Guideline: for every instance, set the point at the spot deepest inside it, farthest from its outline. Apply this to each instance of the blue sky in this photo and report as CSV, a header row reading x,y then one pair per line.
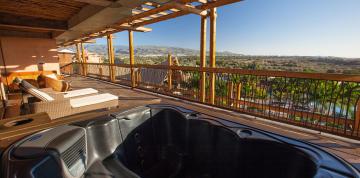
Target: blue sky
x,y
268,27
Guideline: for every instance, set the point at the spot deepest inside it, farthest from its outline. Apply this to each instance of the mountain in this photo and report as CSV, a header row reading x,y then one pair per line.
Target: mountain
x,y
150,50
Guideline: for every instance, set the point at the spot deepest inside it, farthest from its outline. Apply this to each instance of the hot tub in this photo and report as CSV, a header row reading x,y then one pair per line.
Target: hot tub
x,y
167,141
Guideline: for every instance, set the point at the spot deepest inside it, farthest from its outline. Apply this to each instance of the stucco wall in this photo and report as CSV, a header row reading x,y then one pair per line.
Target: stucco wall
x,y
65,58
28,54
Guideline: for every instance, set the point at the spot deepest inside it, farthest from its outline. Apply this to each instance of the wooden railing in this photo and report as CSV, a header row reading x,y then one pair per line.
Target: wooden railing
x,y
324,102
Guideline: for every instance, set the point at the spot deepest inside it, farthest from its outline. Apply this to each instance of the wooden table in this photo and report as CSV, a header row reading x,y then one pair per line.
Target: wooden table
x,y
14,128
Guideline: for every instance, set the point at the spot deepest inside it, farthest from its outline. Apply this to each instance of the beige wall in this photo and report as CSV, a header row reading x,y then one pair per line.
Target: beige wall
x,y
65,58
93,58
26,54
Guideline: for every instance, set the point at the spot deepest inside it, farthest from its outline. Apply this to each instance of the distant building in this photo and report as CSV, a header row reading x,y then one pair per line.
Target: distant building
x,y
93,57
65,56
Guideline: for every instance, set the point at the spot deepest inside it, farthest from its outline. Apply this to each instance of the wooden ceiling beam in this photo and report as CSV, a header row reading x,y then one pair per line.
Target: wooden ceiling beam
x,y
32,23
25,34
97,2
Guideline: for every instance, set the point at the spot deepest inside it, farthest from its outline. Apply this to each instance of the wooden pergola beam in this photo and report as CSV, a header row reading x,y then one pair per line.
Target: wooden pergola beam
x,y
159,9
188,8
202,1
118,29
190,1
136,29
152,4
182,13
136,22
89,41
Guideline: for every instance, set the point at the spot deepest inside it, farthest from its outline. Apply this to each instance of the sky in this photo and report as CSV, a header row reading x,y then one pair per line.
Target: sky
x,y
267,27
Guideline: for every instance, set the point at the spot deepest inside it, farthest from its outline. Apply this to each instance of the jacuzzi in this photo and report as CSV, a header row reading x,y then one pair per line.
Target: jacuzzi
x,y
160,141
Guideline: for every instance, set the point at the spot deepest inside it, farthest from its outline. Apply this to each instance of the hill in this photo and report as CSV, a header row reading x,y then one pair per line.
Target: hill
x,y
150,50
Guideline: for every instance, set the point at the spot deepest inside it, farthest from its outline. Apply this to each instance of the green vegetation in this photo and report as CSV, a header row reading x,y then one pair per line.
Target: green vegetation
x,y
277,63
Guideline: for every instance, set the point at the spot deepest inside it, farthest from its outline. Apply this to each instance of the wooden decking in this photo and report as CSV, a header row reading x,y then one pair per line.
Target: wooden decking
x,y
129,98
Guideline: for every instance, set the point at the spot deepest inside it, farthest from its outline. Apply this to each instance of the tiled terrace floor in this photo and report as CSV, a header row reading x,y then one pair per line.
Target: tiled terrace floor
x,y
346,149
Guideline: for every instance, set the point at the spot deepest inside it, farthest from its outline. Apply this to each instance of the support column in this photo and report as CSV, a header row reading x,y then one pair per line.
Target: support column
x,y
111,57
169,72
83,59
132,58
78,55
213,16
203,59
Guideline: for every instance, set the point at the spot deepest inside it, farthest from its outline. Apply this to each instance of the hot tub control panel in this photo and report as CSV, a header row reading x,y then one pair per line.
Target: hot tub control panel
x,y
61,149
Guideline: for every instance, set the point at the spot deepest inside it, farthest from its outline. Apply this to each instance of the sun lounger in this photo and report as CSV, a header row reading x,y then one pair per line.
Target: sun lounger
x,y
57,106
67,94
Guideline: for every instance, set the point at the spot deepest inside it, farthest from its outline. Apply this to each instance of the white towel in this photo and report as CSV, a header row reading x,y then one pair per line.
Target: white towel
x,y
93,99
80,92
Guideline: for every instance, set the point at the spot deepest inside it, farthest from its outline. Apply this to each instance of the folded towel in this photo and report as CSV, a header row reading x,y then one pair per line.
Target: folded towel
x,y
93,99
80,92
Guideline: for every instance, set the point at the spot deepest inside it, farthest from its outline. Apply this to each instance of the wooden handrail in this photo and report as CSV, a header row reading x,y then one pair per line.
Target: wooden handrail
x,y
302,75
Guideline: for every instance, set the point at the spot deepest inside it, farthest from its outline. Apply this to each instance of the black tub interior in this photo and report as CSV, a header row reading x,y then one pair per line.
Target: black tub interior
x,y
168,145
161,142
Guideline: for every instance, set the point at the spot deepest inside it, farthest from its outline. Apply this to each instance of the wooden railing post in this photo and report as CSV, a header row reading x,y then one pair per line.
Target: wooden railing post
x,y
230,92
357,119
169,72
238,95
213,16
138,80
111,57
203,59
131,57
101,72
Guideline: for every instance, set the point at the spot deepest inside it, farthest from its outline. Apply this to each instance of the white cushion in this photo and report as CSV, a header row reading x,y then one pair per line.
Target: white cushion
x,y
41,95
80,92
35,92
93,99
53,76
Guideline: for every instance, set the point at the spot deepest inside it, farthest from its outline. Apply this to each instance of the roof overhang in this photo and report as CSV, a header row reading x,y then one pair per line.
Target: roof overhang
x,y
74,21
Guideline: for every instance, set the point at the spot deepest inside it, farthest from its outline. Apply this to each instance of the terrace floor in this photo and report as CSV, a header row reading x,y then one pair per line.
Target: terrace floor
x,y
344,148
